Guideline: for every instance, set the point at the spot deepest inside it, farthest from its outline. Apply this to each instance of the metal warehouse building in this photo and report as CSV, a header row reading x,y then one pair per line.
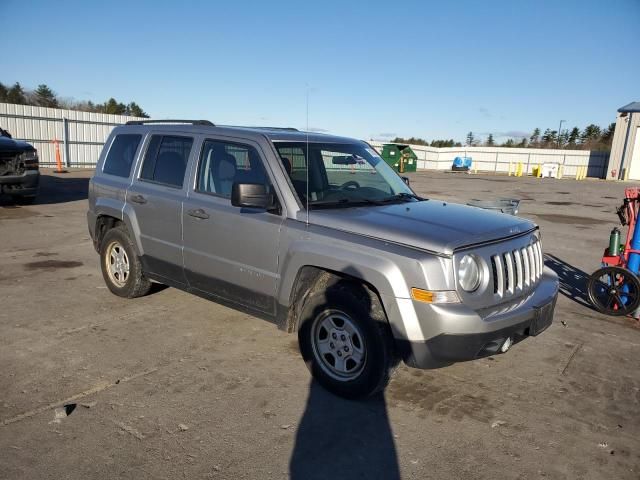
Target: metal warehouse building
x,y
624,162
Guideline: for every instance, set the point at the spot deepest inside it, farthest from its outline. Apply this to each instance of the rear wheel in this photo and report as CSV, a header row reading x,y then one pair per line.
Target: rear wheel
x,y
614,291
121,267
345,340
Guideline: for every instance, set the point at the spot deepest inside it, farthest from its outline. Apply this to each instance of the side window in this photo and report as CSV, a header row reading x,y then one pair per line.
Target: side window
x,y
223,163
121,154
166,160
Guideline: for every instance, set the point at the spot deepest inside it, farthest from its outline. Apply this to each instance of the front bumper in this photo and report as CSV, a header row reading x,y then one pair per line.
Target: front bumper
x,y
24,184
445,334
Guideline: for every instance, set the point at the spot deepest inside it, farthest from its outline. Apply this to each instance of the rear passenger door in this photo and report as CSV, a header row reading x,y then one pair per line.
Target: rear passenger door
x,y
156,197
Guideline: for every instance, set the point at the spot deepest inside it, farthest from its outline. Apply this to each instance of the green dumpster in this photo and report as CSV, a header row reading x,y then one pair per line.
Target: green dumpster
x,y
400,157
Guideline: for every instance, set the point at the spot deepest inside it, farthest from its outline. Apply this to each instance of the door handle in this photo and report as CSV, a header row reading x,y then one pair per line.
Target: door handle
x,y
138,199
198,213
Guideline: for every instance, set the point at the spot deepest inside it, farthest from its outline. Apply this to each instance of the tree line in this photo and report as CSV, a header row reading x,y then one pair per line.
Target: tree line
x,y
592,137
43,96
434,143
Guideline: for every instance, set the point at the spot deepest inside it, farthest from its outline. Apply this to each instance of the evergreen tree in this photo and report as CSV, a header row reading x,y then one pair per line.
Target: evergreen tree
x,y
523,143
16,95
574,136
470,139
45,97
113,107
549,137
508,143
607,134
134,110
590,133
535,137
3,93
490,142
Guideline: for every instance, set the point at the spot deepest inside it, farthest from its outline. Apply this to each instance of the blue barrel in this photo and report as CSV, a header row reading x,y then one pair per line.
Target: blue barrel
x,y
633,263
634,259
461,163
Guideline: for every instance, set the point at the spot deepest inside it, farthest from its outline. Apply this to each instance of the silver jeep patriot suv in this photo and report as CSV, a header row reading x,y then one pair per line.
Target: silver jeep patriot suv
x,y
318,234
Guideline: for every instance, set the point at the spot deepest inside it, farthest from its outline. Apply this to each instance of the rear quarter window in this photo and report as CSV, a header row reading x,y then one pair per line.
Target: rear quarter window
x,y
121,155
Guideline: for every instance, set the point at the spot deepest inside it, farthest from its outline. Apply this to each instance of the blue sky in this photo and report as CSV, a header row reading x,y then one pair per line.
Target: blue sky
x,y
431,69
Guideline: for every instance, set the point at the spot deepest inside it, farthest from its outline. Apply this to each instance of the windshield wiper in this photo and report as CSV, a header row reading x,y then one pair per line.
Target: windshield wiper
x,y
344,202
404,196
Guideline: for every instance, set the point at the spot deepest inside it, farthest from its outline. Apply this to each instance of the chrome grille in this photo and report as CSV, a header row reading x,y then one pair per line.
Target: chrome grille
x,y
516,271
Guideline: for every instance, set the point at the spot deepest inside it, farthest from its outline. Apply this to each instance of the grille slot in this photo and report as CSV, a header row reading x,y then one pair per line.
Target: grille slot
x,y
516,271
519,272
496,260
508,262
494,275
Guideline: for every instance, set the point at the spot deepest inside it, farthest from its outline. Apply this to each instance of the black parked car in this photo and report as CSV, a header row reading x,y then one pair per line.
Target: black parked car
x,y
19,174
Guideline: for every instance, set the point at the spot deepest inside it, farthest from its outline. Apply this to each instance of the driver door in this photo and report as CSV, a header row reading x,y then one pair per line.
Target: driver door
x,y
230,252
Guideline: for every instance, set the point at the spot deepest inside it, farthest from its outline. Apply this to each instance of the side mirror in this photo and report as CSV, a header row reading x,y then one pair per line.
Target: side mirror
x,y
251,195
405,180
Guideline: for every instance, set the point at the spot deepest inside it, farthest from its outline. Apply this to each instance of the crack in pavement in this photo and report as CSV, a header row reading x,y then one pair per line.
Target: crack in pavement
x,y
575,351
96,389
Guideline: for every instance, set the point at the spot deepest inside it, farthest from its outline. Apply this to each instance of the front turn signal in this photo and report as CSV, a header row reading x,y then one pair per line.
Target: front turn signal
x,y
438,296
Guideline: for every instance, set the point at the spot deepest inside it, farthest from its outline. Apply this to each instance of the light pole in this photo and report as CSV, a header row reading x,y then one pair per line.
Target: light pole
x,y
560,131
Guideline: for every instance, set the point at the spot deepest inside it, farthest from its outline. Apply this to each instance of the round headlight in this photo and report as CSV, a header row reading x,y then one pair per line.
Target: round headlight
x,y
469,273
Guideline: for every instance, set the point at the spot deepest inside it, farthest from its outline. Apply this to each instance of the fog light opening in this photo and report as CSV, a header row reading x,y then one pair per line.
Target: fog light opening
x,y
506,345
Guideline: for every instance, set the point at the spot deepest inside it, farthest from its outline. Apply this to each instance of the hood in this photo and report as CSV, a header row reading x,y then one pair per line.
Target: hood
x,y
10,145
432,225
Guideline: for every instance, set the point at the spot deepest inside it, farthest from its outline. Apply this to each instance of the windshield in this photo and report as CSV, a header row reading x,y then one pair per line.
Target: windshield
x,y
341,174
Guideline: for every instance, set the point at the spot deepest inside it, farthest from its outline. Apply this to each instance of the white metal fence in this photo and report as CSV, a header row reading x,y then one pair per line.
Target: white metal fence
x,y
81,134
497,159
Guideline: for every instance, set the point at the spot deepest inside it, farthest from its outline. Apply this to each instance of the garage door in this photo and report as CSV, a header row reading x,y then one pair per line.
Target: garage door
x,y
634,167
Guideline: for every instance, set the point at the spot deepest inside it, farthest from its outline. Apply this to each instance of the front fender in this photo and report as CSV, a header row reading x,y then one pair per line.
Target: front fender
x,y
380,272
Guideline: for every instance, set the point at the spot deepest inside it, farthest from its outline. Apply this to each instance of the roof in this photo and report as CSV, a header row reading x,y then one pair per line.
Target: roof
x,y
299,136
630,108
274,134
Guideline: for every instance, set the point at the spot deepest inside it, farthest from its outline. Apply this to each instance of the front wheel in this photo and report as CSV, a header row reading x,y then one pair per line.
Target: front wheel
x,y
345,340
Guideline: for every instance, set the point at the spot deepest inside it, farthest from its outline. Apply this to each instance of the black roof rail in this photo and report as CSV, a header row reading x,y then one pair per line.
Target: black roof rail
x,y
286,129
192,122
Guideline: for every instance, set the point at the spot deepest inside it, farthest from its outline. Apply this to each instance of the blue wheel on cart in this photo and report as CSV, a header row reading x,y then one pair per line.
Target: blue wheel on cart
x,y
614,291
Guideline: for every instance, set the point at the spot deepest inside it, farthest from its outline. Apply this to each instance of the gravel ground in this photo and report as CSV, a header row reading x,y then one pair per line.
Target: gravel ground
x,y
174,386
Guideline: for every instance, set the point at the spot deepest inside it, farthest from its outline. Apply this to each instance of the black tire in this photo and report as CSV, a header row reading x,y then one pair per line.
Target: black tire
x,y
363,310
132,285
606,294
